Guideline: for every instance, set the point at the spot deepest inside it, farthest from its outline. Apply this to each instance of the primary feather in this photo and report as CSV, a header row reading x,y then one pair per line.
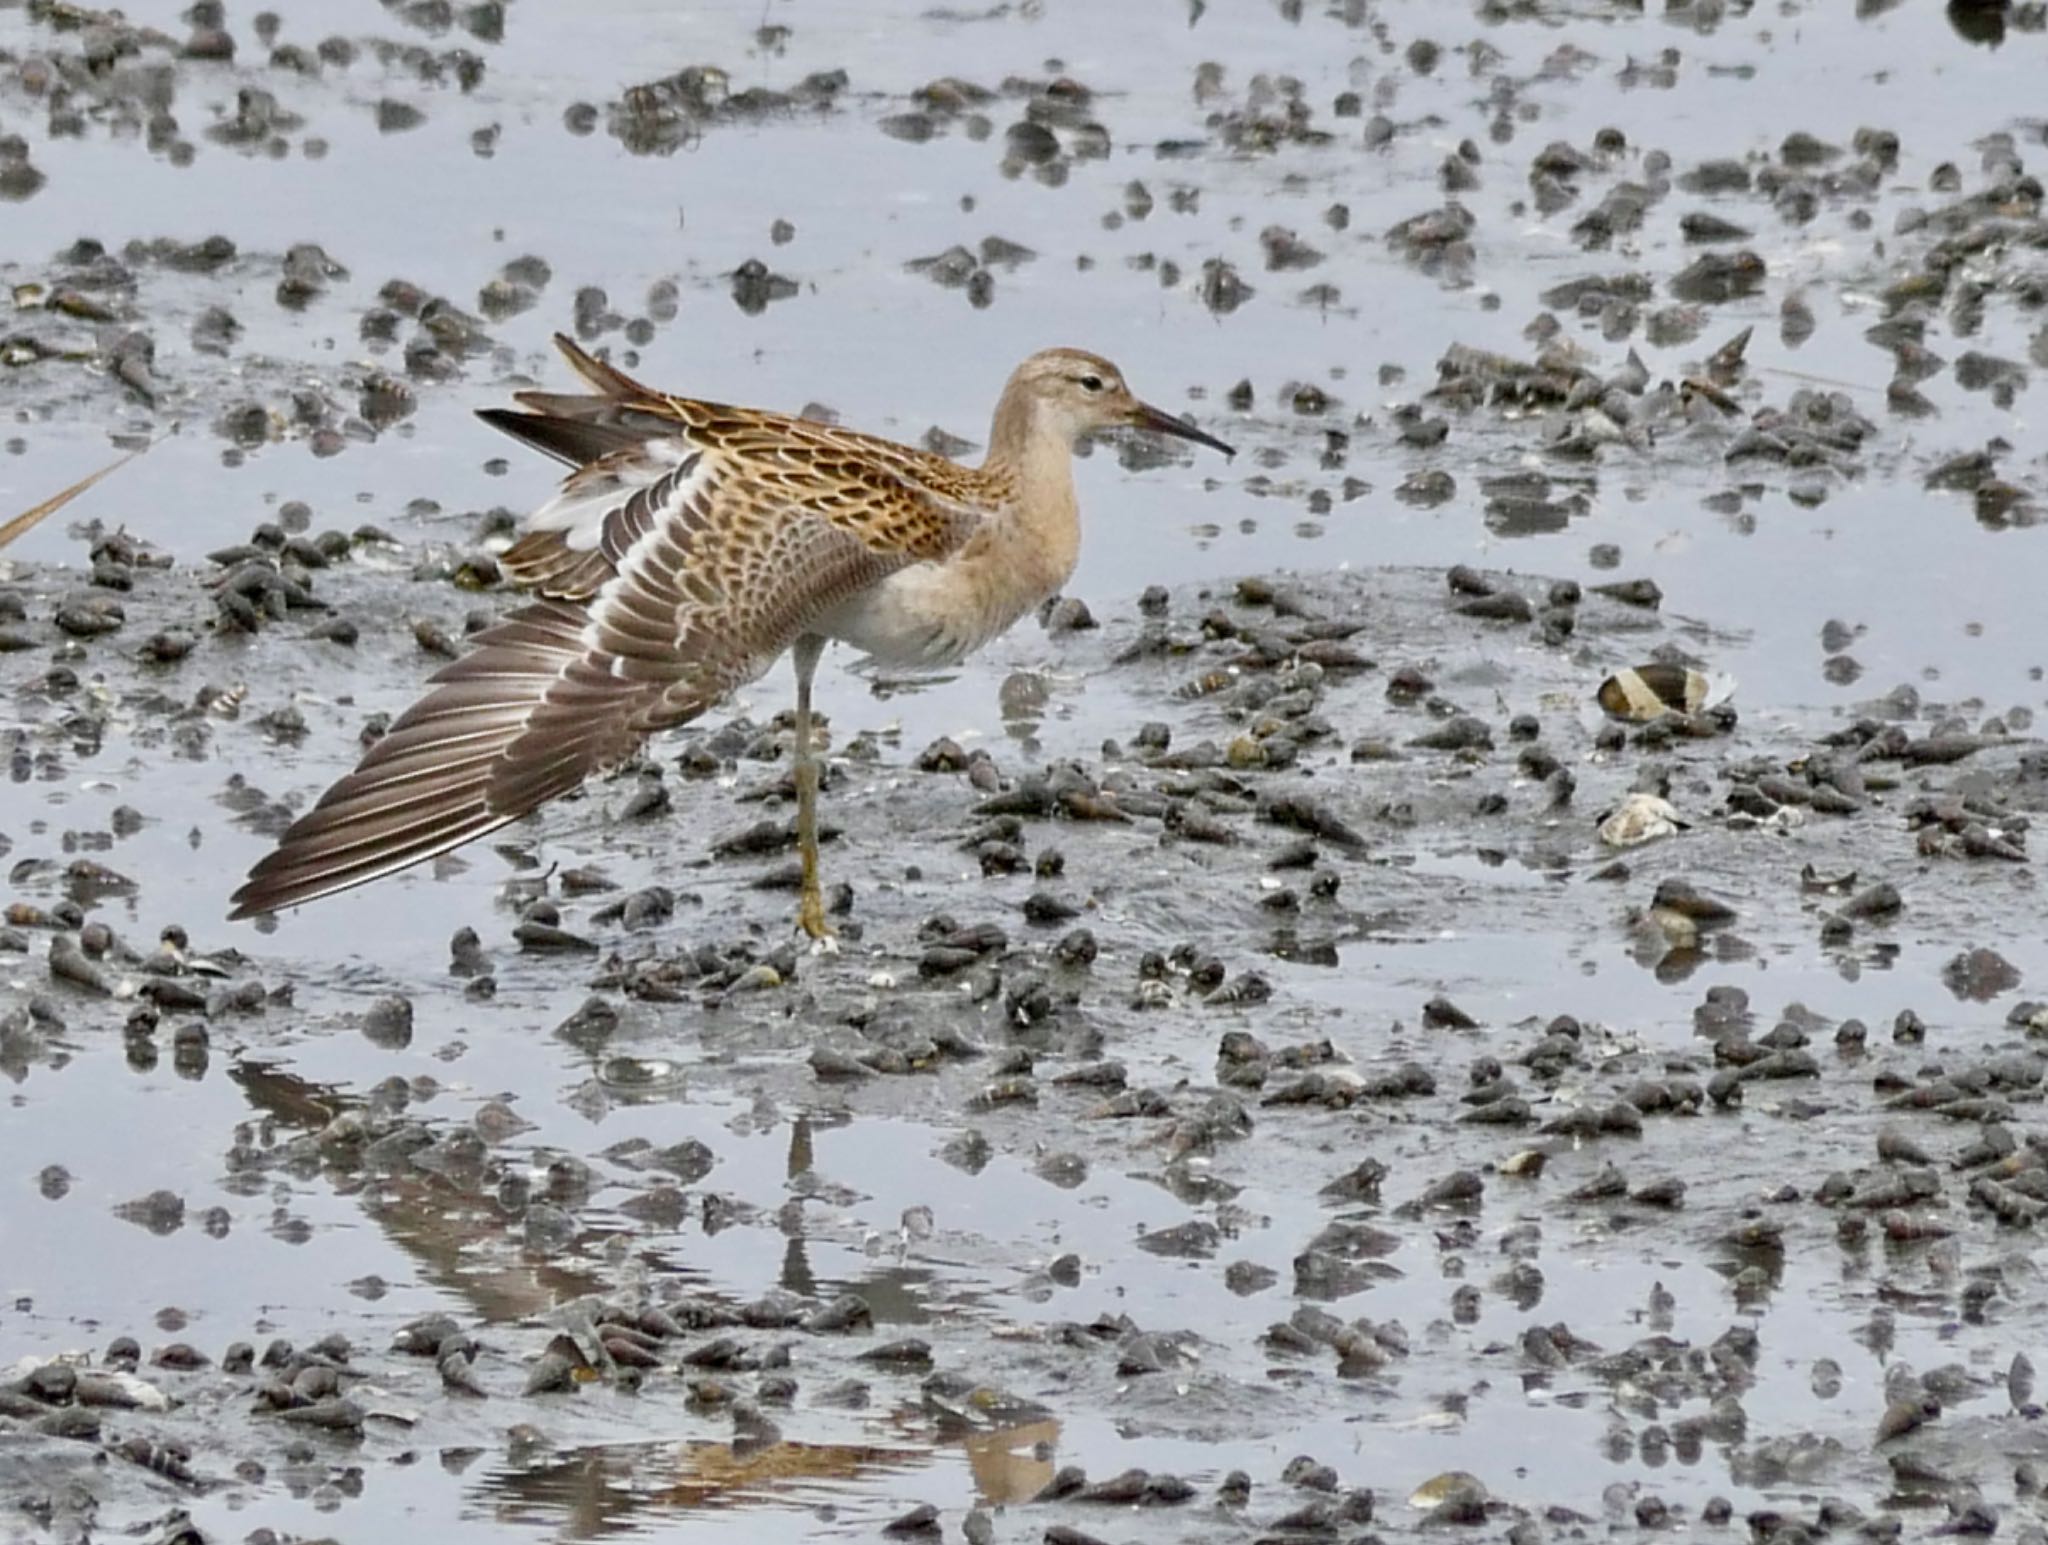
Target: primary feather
x,y
689,548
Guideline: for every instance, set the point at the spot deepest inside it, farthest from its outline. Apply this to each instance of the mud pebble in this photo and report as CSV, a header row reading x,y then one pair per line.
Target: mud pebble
x,y
552,1373
396,117
1460,733
336,1413
388,1022
1907,1415
1286,251
921,1521
1069,614
1223,291
422,1337
1031,143
161,1212
1452,1487
1979,975
1439,1013
1874,901
1681,896
89,616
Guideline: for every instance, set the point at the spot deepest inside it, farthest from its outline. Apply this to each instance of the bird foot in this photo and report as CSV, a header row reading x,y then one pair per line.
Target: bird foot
x,y
810,917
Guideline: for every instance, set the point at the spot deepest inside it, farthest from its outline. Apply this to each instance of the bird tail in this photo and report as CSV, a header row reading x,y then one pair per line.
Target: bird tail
x,y
580,428
609,380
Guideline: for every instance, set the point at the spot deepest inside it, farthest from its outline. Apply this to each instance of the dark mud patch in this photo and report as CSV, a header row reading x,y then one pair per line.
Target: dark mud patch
x,y
1208,1078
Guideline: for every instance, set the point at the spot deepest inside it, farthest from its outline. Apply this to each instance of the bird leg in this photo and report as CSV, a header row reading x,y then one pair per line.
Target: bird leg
x,y
810,914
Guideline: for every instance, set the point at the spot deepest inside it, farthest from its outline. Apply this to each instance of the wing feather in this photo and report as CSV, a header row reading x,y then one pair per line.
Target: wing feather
x,y
670,571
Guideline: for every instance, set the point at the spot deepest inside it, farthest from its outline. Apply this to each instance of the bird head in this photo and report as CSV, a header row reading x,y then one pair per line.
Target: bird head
x,y
1078,393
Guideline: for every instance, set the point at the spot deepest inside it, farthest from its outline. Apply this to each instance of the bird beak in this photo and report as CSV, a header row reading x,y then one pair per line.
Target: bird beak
x,y
1145,416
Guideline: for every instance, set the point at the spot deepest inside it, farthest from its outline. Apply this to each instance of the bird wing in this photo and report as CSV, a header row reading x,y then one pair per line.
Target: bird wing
x,y
671,571
626,437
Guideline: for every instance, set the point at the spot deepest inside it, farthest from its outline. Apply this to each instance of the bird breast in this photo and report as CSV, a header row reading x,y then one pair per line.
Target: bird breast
x,y
937,613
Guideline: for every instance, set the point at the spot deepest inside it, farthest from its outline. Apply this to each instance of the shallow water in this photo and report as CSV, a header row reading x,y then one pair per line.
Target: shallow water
x,y
421,206
1948,604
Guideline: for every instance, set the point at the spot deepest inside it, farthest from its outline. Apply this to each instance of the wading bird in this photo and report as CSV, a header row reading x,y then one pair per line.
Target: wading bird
x,y
692,545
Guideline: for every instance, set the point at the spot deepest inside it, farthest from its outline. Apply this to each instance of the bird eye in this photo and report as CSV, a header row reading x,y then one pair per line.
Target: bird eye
x,y
1091,383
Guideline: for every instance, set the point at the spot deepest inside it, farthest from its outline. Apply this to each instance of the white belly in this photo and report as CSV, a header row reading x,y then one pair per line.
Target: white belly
x,y
930,614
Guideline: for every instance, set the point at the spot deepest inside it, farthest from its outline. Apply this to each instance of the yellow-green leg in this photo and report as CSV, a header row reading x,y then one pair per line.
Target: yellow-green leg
x,y
810,913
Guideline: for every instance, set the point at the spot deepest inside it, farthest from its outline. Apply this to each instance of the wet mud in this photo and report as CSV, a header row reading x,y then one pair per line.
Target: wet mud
x,y
1481,972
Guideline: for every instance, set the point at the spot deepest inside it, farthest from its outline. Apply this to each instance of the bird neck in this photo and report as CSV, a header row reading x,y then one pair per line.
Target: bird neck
x,y
1021,433
1036,459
